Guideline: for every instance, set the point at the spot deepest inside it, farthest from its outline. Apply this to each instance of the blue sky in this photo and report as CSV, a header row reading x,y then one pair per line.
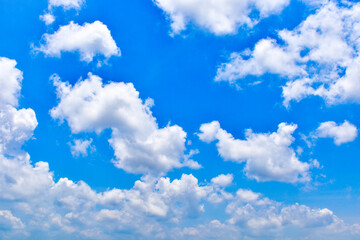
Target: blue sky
x,y
131,119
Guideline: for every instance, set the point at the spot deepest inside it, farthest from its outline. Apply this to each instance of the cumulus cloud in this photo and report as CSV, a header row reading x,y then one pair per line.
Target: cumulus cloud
x,y
266,57
16,126
320,57
89,40
81,147
341,133
268,156
140,145
66,208
219,16
10,81
253,216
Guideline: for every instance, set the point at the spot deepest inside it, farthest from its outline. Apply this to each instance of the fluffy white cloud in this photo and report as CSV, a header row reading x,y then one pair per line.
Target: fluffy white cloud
x,y
140,145
319,57
8,221
341,133
223,180
65,208
208,131
259,214
218,16
253,216
266,57
268,157
89,40
10,81
66,4
48,18
16,126
17,177
81,147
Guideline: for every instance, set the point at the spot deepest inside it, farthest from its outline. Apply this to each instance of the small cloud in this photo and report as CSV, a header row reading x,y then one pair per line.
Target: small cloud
x,y
48,18
81,147
341,133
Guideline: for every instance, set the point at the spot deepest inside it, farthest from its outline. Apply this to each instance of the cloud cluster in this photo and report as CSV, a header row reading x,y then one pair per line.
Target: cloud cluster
x,y
218,16
34,204
268,156
140,145
320,57
38,203
253,216
89,40
260,217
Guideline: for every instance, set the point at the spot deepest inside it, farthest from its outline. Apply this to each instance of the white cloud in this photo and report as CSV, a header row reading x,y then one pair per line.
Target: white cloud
x,y
342,133
266,57
320,57
81,147
253,216
258,214
218,16
209,131
244,195
223,180
10,80
65,208
66,4
16,126
140,145
48,18
89,40
9,222
268,157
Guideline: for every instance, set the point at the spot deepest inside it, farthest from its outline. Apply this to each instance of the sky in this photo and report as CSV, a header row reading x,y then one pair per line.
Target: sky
x,y
179,119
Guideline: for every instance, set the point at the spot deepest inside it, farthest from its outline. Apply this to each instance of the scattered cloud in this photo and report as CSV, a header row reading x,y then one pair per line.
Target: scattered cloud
x,y
154,207
310,66
48,17
268,156
34,203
